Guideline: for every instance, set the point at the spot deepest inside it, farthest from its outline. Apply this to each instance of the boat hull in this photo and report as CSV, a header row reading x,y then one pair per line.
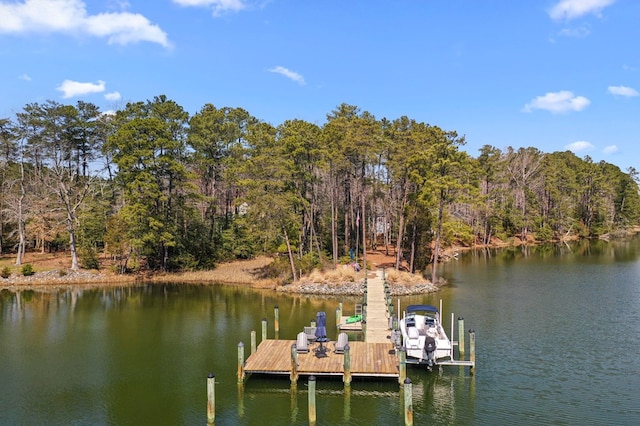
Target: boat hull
x,y
424,338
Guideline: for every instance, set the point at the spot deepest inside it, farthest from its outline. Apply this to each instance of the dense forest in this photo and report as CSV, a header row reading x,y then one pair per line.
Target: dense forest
x,y
156,188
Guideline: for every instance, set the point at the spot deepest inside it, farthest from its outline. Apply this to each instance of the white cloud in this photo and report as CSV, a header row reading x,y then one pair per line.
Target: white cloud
x,y
611,149
627,92
289,74
570,9
579,32
70,16
578,146
217,6
72,89
558,102
113,96
25,77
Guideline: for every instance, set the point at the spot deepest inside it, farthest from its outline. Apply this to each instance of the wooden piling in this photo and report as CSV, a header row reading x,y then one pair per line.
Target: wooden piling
x,y
347,366
402,365
472,348
347,405
312,400
211,398
408,402
240,362
461,337
338,317
294,364
240,400
294,403
276,320
253,342
264,329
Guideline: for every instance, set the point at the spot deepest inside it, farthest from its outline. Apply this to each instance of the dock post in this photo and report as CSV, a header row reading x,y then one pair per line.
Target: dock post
x,y
264,329
294,364
347,404
461,337
294,403
211,398
253,342
276,320
338,317
408,402
347,366
240,362
402,367
240,400
313,322
472,348
312,400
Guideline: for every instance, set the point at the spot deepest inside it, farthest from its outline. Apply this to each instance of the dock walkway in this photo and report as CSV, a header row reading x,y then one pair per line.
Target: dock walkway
x,y
377,326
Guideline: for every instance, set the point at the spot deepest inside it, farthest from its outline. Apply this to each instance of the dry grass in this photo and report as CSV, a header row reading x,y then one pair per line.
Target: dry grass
x,y
395,277
340,275
246,272
237,272
41,262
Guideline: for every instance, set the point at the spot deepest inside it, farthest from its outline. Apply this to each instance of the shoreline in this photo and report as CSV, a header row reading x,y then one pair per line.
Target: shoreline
x,y
51,281
237,273
244,273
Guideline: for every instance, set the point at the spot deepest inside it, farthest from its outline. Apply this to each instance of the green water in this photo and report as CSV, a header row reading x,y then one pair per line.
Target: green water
x,y
557,329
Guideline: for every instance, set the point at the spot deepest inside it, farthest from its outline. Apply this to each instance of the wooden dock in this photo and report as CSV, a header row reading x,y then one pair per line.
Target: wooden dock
x,y
377,325
367,360
375,357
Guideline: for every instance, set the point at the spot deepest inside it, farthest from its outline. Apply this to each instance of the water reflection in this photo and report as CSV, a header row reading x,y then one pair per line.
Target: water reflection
x,y
604,251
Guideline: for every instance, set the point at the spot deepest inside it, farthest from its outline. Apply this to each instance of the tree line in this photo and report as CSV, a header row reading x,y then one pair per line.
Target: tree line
x,y
157,188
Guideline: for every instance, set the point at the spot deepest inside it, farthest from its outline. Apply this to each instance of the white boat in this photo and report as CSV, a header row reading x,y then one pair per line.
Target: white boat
x,y
423,336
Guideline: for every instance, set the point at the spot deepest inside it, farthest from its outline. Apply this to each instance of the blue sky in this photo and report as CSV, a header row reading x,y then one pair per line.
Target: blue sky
x,y
552,74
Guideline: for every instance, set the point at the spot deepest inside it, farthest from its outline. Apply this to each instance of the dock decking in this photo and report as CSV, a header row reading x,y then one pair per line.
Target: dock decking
x,y
367,360
377,326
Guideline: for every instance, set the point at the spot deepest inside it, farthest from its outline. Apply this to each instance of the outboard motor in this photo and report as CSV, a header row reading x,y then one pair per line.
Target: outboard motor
x,y
430,350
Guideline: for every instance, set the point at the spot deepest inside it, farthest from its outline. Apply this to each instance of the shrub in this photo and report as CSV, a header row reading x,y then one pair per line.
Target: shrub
x,y
27,269
6,272
89,258
544,234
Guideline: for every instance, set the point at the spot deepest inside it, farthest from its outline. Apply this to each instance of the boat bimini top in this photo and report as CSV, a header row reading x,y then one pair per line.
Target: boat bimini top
x,y
421,308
